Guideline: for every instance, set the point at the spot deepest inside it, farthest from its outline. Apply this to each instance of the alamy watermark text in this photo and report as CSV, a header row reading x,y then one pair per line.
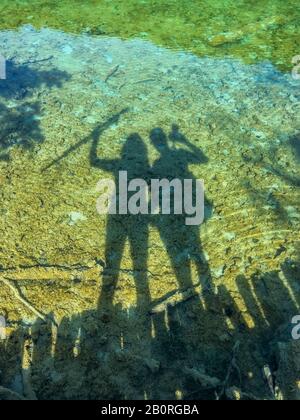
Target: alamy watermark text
x,y
296,328
155,197
2,68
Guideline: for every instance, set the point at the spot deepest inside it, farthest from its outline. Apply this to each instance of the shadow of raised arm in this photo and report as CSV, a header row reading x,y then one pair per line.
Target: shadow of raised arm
x,y
194,155
96,161
95,136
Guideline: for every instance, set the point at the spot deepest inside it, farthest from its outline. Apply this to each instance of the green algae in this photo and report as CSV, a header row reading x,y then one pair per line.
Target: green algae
x,y
250,30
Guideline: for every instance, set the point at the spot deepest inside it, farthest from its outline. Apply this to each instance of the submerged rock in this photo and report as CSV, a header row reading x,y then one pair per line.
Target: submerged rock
x,y
251,29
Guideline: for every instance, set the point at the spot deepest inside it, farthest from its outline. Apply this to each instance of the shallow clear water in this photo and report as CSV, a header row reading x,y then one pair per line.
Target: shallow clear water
x,y
250,30
142,306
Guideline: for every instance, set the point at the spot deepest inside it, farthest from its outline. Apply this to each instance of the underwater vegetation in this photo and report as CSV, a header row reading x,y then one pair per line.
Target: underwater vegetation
x,y
250,30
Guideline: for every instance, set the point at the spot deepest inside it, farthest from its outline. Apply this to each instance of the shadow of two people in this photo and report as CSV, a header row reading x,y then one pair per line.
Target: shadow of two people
x,y
182,243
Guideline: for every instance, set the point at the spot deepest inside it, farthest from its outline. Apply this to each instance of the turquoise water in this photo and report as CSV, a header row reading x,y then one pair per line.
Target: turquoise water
x,y
145,306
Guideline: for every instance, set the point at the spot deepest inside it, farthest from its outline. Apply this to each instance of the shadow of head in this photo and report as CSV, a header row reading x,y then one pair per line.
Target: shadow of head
x,y
161,141
134,147
295,145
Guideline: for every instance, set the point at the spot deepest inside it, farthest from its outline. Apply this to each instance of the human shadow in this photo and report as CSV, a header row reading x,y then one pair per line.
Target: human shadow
x,y
21,107
182,242
123,227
